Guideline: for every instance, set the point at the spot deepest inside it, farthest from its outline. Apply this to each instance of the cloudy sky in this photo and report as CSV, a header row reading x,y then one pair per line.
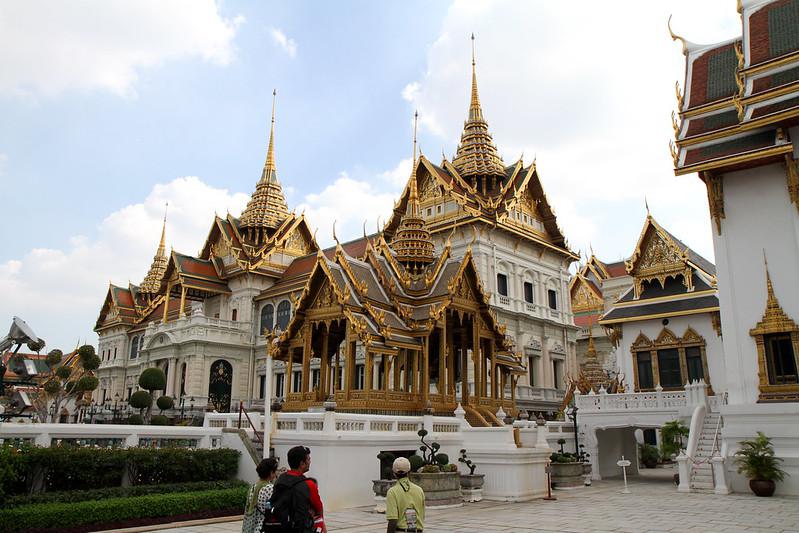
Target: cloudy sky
x,y
111,108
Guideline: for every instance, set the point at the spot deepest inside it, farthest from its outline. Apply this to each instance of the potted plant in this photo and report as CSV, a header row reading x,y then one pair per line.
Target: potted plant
x,y
671,438
471,483
756,461
649,455
439,479
566,469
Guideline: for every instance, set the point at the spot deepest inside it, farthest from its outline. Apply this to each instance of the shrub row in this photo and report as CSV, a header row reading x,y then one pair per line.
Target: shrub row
x,y
72,496
34,469
66,515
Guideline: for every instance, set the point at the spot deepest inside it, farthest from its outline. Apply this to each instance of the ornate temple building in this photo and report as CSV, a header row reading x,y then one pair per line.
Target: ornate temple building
x,y
461,298
666,326
739,121
593,290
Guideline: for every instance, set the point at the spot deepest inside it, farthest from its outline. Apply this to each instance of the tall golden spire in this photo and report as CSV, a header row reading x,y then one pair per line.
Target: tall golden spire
x,y
591,368
476,154
152,281
412,243
267,208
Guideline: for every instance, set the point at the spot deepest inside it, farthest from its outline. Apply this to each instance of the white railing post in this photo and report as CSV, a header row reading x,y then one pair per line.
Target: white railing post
x,y
460,415
683,467
720,475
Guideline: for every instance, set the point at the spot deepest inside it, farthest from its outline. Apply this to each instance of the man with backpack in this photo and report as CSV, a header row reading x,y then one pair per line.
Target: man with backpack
x,y
295,505
404,501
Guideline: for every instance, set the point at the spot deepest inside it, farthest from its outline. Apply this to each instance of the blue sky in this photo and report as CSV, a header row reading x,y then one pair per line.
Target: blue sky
x,y
110,109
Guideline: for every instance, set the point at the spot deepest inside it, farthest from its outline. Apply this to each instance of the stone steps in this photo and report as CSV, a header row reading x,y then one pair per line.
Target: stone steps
x,y
702,473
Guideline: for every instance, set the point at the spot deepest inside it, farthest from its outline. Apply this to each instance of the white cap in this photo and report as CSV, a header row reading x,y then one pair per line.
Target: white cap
x,y
401,465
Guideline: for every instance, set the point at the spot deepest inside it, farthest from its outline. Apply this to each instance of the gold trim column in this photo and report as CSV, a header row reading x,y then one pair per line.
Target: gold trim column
x,y
289,385
306,359
442,364
182,312
324,376
464,369
425,381
476,357
166,302
367,373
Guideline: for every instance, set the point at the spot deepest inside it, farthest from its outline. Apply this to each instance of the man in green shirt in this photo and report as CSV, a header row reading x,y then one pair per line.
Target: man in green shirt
x,y
404,501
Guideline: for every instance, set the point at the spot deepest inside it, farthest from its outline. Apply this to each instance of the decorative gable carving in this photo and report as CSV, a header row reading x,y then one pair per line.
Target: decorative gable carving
x,y
657,257
585,299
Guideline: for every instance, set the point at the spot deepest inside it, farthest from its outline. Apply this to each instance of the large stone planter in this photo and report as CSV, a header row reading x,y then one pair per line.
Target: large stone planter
x,y
441,490
567,475
472,487
380,488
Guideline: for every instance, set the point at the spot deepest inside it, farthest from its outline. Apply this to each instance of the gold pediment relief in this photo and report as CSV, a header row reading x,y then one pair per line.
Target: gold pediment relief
x,y
642,341
584,299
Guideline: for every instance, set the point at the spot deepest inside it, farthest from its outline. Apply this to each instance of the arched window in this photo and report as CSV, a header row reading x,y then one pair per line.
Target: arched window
x,y
234,315
141,343
283,314
134,347
267,318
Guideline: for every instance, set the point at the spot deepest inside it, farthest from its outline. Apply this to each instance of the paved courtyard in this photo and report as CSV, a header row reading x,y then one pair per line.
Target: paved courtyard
x,y
653,506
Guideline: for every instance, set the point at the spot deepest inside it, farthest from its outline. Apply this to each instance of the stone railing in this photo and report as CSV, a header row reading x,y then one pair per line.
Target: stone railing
x,y
112,435
349,423
526,392
641,401
200,326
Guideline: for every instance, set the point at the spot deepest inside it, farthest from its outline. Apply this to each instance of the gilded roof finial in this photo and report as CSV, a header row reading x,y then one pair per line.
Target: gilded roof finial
x,y
152,281
267,208
269,165
646,204
162,245
476,154
334,232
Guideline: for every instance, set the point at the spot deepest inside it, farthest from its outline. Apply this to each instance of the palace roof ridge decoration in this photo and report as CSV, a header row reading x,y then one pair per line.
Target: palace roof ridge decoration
x,y
267,208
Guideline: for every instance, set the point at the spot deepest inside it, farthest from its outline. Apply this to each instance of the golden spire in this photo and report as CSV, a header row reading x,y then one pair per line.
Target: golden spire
x,y
591,368
476,154
269,166
152,281
267,208
412,243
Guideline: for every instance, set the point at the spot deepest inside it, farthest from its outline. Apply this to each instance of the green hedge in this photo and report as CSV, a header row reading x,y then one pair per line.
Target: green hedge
x,y
71,496
65,515
31,469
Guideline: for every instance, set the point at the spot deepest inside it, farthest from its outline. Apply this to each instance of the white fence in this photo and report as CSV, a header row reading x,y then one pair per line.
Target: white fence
x,y
111,435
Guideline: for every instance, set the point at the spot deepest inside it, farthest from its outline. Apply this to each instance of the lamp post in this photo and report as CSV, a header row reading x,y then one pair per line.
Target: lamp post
x,y
182,406
572,414
92,412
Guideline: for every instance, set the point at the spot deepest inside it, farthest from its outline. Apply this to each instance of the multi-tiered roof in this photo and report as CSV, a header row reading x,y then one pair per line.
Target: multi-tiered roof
x,y
741,96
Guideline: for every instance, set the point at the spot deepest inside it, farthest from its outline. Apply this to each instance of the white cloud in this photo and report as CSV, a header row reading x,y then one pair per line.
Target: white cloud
x,y
410,91
59,291
287,44
349,203
397,177
53,47
590,93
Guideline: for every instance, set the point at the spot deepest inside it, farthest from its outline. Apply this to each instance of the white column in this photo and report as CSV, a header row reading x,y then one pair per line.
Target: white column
x,y
268,403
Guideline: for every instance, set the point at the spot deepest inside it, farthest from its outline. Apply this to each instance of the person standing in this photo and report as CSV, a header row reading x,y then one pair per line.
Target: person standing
x,y
404,501
296,498
259,494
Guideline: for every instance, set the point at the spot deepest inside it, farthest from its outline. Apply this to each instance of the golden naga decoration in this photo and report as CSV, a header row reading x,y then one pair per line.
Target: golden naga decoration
x,y
739,75
715,197
675,156
674,125
736,101
679,95
792,173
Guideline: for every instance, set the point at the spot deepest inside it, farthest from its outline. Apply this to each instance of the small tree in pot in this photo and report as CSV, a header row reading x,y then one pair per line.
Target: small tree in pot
x,y
439,479
756,461
471,483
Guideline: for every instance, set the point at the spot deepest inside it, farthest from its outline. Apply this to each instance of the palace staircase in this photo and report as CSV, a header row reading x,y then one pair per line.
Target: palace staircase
x,y
481,417
707,446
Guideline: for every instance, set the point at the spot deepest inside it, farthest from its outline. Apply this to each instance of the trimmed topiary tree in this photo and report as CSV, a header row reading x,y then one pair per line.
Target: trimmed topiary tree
x,y
152,379
69,378
135,420
141,400
165,402
159,420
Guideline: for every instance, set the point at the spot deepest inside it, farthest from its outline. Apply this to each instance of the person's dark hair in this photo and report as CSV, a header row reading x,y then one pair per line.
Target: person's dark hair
x,y
266,467
297,455
400,475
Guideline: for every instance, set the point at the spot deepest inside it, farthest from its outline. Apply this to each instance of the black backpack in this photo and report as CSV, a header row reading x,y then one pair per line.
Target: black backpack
x,y
288,510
